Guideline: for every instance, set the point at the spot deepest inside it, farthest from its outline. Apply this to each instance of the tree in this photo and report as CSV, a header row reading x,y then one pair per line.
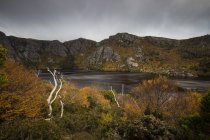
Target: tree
x,y
50,98
155,93
161,96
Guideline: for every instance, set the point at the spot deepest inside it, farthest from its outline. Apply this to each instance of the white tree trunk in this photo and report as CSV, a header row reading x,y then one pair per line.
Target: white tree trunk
x,y
62,106
56,94
118,105
52,92
49,99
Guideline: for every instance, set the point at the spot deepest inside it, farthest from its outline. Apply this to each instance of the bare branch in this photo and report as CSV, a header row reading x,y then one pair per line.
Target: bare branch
x,y
61,84
62,106
115,97
52,92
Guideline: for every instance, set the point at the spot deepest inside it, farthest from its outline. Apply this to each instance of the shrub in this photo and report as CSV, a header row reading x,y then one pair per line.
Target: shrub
x,y
3,77
197,126
30,130
147,127
205,108
130,107
23,94
163,98
108,95
90,97
155,93
82,136
3,55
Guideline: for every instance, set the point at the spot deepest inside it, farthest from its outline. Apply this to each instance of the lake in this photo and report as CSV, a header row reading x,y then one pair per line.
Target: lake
x,y
124,80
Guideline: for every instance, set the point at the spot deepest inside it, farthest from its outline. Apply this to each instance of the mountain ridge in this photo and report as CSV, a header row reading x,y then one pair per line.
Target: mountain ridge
x,y
119,52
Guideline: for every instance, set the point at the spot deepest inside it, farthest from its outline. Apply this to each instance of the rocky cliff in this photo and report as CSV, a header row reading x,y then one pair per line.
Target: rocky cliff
x,y
120,52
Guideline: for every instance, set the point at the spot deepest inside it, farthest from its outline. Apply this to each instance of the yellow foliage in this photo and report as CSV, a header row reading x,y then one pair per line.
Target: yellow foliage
x,y
131,110
186,104
193,102
156,92
106,118
80,97
23,94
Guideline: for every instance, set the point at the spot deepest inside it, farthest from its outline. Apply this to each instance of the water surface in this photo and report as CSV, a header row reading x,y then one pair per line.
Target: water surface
x,y
124,80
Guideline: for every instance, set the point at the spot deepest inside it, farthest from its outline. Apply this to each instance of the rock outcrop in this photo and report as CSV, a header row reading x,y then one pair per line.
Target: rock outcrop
x,y
131,62
41,53
103,54
79,46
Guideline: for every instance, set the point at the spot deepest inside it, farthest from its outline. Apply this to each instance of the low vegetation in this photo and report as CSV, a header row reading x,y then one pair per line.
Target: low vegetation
x,y
155,109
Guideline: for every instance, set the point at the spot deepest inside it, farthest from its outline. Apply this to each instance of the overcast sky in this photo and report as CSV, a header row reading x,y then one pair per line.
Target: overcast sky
x,y
98,19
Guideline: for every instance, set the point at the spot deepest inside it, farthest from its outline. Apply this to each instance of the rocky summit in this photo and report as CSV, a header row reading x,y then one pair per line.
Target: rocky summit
x,y
120,52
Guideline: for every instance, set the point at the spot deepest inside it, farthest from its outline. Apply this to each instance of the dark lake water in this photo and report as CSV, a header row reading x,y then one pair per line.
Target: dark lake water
x,y
124,80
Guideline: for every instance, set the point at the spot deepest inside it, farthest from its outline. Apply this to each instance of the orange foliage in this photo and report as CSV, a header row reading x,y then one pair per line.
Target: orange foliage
x,y
81,97
156,93
23,94
163,95
130,106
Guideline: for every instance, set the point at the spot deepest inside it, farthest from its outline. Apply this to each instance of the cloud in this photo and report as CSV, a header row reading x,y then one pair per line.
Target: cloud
x,y
97,19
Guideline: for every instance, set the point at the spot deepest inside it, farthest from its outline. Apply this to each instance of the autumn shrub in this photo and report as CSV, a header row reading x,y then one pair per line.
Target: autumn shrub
x,y
89,97
87,110
130,106
162,97
155,93
23,96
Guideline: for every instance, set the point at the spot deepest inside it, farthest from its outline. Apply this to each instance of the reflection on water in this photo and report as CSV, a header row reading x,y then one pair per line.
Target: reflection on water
x,y
117,80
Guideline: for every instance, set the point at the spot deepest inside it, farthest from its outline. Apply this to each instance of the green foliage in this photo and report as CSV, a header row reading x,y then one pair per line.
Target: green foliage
x,y
108,95
30,130
3,55
68,62
82,136
92,102
3,80
147,127
205,108
198,126
154,112
204,67
190,122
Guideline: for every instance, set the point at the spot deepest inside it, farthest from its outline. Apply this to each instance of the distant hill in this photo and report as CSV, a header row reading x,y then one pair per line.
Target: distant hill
x,y
120,52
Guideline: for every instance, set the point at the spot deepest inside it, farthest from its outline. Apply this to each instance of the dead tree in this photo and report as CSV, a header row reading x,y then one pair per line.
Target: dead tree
x,y
50,98
62,106
118,105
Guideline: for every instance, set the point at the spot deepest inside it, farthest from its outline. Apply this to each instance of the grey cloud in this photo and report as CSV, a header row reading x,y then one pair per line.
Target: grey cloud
x,y
97,19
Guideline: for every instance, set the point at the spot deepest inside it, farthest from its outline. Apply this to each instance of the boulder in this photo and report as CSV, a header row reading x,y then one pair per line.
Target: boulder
x,y
131,62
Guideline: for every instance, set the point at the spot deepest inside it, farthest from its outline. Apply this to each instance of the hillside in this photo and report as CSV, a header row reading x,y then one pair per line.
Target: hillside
x,y
120,52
